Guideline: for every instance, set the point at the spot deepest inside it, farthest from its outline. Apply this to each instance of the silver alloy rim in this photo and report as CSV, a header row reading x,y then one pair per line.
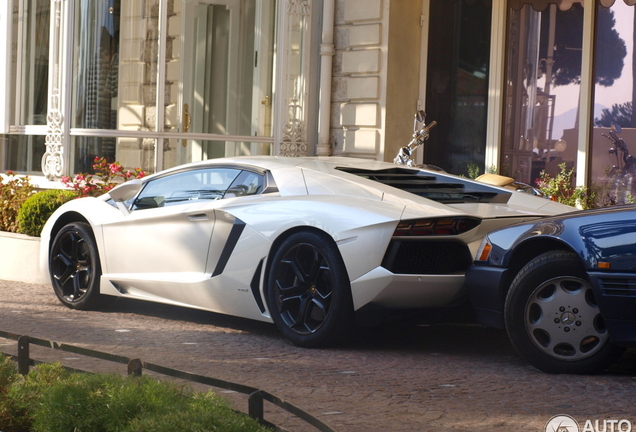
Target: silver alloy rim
x,y
563,320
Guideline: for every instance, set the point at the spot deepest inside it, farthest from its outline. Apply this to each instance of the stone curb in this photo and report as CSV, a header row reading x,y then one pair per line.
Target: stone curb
x,y
21,258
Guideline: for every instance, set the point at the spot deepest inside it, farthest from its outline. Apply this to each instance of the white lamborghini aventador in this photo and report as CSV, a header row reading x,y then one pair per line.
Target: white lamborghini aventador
x,y
307,243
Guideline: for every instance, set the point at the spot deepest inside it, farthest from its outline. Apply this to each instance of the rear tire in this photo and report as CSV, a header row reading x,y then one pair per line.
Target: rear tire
x,y
308,291
75,269
553,320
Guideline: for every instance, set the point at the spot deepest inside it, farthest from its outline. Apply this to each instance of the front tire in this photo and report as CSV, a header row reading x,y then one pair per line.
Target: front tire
x,y
75,269
308,291
553,320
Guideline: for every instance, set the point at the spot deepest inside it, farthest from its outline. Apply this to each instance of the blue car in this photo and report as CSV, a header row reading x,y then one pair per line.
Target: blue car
x,y
564,288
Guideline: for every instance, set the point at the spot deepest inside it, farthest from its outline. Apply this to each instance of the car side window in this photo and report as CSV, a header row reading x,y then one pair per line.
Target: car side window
x,y
247,183
185,187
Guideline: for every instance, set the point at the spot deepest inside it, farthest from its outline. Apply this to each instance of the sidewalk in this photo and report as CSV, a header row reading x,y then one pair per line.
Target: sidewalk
x,y
396,378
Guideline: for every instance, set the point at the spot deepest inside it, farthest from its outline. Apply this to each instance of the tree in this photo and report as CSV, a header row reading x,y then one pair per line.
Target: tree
x,y
610,48
621,114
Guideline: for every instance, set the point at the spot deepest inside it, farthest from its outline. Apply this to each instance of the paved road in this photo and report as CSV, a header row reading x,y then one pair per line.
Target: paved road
x,y
451,377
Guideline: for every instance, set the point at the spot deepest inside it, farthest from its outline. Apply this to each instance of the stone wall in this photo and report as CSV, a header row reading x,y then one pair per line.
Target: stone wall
x,y
359,77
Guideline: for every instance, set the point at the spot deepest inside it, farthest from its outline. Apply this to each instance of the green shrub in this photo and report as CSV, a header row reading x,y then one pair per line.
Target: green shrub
x,y
49,399
561,189
11,417
14,191
24,394
37,208
8,374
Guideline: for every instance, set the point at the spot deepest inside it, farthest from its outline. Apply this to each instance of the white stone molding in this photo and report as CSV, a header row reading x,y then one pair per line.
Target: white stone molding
x,y
295,40
293,142
298,7
53,158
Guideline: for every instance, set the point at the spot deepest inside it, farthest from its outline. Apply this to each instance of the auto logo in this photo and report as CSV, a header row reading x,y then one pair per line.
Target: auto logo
x,y
562,423
568,318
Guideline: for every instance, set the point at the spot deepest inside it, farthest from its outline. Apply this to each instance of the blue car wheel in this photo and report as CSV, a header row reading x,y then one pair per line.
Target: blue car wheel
x,y
553,320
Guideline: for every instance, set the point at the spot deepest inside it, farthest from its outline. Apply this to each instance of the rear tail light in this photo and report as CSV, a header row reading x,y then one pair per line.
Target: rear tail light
x,y
436,227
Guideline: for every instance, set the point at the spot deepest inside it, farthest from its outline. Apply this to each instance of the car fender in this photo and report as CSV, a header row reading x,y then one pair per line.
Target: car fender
x,y
354,224
508,242
91,209
578,235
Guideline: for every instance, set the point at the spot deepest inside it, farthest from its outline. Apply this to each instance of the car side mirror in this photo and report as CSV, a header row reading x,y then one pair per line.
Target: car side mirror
x,y
126,191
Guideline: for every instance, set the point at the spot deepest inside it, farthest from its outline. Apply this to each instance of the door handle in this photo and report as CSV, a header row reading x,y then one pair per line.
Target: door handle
x,y
267,121
186,121
198,217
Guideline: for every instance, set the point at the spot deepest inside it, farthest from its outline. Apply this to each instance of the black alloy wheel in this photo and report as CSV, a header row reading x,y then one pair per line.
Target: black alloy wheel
x,y
75,268
308,291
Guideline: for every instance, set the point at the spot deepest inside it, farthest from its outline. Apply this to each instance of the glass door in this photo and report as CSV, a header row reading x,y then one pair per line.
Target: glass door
x,y
226,77
542,92
23,151
457,83
264,33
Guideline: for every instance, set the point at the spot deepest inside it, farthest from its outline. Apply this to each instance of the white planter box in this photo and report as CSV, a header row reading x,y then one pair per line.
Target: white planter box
x,y
20,258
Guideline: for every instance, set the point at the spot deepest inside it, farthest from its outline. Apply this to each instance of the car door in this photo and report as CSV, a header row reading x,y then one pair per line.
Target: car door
x,y
167,234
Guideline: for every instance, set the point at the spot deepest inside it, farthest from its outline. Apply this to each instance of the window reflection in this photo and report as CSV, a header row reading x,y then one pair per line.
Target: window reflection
x,y
28,90
457,83
543,75
96,70
613,101
34,62
221,74
29,85
22,153
115,86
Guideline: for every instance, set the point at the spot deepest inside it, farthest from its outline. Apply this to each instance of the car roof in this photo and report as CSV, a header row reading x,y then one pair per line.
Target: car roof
x,y
377,180
280,162
380,181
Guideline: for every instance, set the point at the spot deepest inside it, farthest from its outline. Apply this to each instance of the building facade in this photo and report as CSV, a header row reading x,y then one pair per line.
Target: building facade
x,y
516,86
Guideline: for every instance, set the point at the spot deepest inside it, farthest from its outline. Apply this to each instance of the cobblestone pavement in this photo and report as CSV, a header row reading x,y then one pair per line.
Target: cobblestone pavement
x,y
451,377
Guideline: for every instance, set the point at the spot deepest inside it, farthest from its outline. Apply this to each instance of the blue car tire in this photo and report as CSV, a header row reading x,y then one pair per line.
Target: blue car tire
x,y
553,320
